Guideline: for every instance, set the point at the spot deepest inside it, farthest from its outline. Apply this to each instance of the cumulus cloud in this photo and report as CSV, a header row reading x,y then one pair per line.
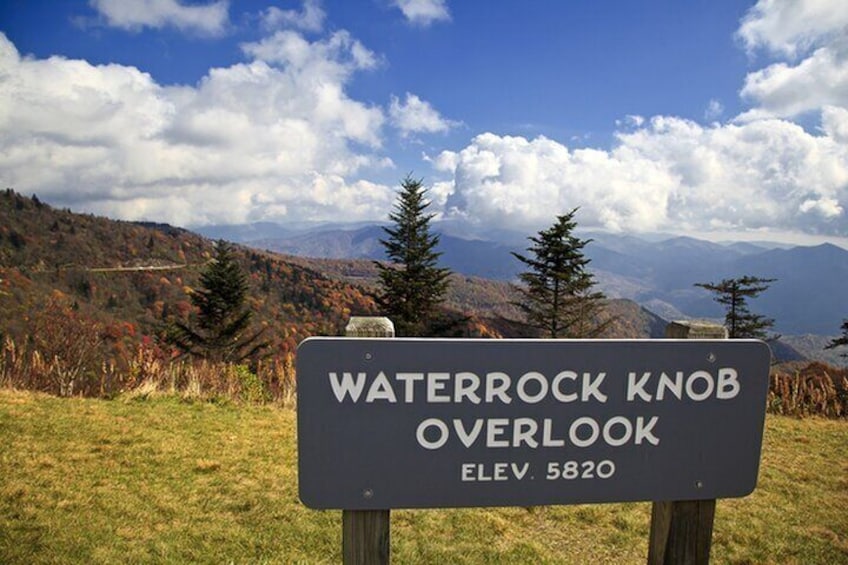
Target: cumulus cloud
x,y
414,115
813,37
311,18
785,90
759,172
792,27
272,138
423,12
210,18
278,137
336,57
672,174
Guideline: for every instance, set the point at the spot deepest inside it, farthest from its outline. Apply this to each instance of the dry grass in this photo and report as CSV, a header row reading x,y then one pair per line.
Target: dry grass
x,y
813,390
148,371
162,479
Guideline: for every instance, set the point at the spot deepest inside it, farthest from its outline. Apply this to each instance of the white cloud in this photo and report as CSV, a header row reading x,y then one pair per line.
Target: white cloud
x,y
826,207
672,174
759,172
211,18
276,137
423,12
714,110
813,37
337,57
835,124
311,18
792,27
414,115
785,90
630,121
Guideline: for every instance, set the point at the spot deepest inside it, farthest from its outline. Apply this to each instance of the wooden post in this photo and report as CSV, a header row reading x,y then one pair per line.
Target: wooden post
x,y
365,533
681,530
365,537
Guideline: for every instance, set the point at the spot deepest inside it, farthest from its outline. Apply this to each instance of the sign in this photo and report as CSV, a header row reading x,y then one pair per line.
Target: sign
x,y
420,423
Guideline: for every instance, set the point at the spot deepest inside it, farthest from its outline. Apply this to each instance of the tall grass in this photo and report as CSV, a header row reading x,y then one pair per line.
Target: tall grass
x,y
815,389
147,371
809,393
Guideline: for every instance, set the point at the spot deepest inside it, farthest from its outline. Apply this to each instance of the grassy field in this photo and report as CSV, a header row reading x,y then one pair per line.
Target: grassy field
x,y
166,481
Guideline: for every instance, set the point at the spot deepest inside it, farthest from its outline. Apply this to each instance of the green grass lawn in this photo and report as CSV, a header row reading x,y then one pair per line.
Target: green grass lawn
x,y
165,481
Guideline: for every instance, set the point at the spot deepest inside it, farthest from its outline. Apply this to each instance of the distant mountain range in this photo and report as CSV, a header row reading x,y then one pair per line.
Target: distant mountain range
x,y
134,279
809,295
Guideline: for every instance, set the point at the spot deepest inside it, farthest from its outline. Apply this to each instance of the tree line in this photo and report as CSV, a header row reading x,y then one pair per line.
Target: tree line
x,y
556,292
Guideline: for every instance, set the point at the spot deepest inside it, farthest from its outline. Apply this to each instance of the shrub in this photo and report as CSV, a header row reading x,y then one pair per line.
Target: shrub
x,y
147,371
814,390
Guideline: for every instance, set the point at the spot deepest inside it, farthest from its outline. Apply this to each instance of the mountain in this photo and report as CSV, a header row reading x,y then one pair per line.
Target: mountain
x,y
480,258
238,233
490,299
811,346
137,276
132,279
327,243
808,297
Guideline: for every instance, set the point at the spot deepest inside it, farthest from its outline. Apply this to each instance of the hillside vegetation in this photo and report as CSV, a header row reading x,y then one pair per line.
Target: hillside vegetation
x,y
491,300
85,302
133,279
190,462
159,479
807,297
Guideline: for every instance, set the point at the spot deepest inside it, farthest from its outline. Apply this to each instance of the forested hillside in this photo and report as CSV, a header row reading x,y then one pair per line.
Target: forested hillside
x,y
85,304
134,279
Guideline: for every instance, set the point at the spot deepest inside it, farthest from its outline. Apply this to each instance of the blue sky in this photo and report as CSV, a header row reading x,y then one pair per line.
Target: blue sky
x,y
717,119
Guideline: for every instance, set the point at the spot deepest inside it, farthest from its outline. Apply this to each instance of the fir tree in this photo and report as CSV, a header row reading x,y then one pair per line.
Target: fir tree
x,y
412,286
556,295
733,294
841,340
222,321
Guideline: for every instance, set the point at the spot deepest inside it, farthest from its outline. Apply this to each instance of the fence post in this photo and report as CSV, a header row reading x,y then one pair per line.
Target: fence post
x,y
681,530
365,533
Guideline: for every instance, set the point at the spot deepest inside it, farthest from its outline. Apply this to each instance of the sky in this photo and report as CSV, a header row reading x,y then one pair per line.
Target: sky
x,y
723,120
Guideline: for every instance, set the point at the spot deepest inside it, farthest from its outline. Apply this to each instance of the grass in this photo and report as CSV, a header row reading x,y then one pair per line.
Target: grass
x,y
160,480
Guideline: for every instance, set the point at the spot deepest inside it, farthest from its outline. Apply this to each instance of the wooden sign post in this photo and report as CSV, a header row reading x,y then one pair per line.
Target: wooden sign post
x,y
682,530
441,423
365,533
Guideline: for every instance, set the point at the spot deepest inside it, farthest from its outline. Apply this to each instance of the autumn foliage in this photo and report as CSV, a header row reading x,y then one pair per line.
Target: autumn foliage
x,y
85,303
815,389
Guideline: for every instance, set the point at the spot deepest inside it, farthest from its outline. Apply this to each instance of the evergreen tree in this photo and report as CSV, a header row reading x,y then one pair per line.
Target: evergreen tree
x,y
412,286
556,295
733,294
841,340
222,321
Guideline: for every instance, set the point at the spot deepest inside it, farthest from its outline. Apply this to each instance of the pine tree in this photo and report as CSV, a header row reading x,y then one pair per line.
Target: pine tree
x,y
222,321
841,340
412,286
556,295
733,294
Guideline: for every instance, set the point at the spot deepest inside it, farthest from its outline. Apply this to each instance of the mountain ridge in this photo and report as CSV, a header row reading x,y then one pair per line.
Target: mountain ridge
x,y
134,278
806,298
